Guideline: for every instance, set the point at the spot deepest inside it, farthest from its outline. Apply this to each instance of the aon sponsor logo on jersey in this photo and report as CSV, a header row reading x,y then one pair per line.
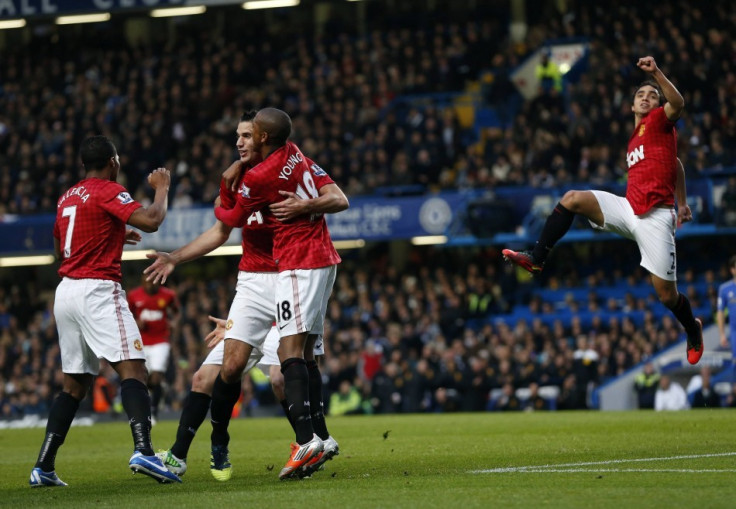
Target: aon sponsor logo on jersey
x,y
255,217
635,156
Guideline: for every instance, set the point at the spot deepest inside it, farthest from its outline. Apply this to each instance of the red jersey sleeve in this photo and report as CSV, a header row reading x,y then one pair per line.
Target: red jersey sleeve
x,y
117,202
320,176
660,120
251,198
57,234
227,197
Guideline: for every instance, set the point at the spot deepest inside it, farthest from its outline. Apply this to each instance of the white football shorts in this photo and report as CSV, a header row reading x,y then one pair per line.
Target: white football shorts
x,y
252,311
264,358
94,322
301,300
157,356
654,232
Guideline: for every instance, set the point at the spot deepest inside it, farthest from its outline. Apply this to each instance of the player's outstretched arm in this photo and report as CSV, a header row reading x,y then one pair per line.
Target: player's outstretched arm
x,y
331,200
675,103
165,263
150,218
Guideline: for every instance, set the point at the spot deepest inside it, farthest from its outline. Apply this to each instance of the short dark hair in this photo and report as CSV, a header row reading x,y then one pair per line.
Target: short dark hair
x,y
96,151
732,262
276,123
248,116
653,84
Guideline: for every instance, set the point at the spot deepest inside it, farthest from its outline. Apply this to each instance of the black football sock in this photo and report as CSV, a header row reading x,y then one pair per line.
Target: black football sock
x,y
224,397
192,417
285,406
557,225
137,405
316,405
156,394
684,314
296,387
61,415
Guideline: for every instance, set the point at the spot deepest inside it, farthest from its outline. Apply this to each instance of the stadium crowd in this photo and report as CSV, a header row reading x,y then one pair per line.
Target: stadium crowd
x,y
399,341
430,339
176,103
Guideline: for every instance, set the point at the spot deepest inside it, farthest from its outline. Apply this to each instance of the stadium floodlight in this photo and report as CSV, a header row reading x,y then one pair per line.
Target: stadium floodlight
x,y
269,4
178,11
12,23
429,240
26,261
83,18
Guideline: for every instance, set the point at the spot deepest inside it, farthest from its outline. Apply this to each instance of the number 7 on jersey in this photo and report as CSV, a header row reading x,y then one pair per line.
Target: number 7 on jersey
x,y
71,213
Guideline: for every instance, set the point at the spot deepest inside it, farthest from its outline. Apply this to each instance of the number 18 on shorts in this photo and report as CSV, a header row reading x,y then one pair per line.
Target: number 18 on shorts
x,y
301,300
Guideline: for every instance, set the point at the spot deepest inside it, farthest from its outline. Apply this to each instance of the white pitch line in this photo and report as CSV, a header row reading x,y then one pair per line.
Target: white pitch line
x,y
566,466
604,470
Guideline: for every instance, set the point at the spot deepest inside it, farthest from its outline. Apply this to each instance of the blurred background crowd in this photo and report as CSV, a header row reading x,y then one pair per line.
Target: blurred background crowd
x,y
439,333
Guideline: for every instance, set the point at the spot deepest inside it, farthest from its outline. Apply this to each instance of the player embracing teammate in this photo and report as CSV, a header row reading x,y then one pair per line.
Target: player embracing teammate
x,y
306,261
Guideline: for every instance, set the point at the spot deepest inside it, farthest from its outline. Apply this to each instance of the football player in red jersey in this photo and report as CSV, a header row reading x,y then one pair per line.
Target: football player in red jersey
x,y
154,308
656,179
307,262
248,330
92,315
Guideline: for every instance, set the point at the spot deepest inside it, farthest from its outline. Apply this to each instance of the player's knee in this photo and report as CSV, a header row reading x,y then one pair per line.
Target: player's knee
x,y
667,296
573,200
277,384
232,369
199,383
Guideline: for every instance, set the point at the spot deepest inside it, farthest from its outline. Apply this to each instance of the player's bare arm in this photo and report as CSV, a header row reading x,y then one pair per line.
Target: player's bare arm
x,y
150,218
675,103
331,200
165,263
684,214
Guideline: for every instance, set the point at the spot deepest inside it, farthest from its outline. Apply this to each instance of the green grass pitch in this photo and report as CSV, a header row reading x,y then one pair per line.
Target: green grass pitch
x,y
578,459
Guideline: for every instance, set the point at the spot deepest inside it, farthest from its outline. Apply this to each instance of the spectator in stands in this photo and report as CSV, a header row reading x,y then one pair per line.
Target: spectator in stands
x,y
346,401
508,400
727,211
704,396
670,396
548,73
646,385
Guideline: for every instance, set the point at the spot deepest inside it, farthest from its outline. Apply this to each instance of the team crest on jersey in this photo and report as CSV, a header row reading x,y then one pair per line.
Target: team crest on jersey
x,y
125,198
244,191
641,129
161,303
137,345
229,325
318,171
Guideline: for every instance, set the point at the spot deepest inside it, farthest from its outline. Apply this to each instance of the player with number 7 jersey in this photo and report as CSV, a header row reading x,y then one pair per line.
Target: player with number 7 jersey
x,y
92,315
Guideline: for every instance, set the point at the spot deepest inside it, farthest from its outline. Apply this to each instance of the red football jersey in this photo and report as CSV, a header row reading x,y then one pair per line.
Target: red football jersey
x,y
257,236
90,226
652,161
152,310
304,242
